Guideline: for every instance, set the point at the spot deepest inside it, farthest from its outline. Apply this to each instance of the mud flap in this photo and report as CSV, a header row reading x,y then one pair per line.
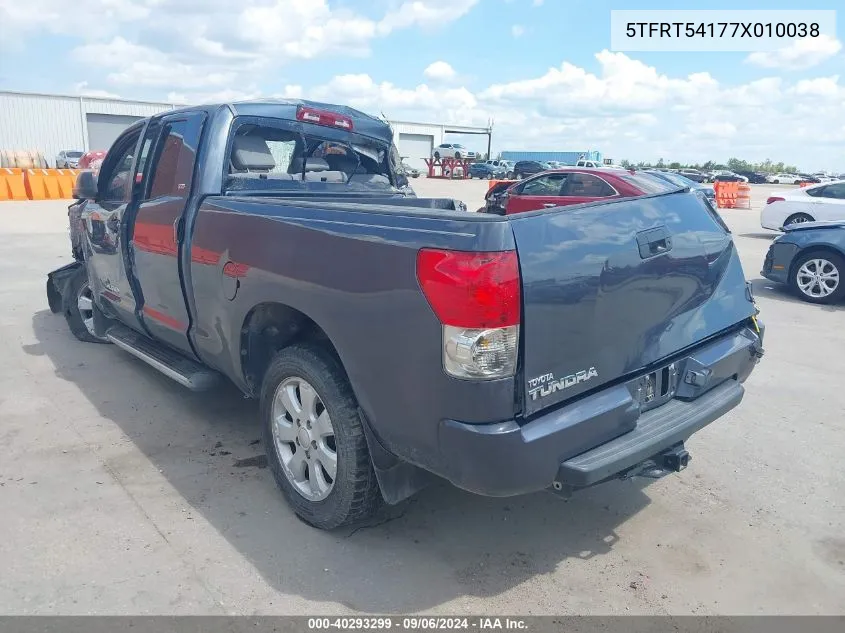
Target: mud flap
x,y
397,479
56,281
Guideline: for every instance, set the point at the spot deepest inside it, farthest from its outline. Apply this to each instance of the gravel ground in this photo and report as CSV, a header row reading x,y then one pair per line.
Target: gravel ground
x,y
122,493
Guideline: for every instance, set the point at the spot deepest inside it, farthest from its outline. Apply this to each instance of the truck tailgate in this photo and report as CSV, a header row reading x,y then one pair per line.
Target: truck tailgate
x,y
612,289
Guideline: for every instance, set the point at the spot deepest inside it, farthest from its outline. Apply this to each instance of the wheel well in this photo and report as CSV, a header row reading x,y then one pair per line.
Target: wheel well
x,y
270,327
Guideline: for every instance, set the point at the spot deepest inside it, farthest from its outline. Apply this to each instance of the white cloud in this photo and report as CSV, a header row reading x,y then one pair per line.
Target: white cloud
x,y
424,13
81,88
440,71
821,86
628,110
517,30
802,53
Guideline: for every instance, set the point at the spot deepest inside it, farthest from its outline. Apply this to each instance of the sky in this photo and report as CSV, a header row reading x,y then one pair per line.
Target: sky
x,y
542,71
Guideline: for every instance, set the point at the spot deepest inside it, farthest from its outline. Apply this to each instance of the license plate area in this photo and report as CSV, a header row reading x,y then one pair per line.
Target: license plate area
x,y
657,387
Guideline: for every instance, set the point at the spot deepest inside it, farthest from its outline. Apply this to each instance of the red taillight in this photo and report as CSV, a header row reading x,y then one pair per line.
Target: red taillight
x,y
471,290
323,117
775,199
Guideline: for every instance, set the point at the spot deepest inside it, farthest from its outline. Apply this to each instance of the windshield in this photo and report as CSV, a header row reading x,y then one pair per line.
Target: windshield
x,y
281,157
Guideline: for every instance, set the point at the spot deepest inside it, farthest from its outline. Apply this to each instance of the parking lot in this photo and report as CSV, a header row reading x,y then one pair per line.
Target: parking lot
x,y
123,493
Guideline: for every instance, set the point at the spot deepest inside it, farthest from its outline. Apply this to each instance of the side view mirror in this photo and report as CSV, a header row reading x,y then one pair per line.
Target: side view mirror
x,y
85,187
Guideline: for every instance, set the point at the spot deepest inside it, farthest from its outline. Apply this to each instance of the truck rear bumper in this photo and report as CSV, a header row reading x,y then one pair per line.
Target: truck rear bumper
x,y
604,435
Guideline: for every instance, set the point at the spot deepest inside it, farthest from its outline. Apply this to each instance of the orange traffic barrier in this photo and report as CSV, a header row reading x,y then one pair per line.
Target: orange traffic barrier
x,y
41,184
493,183
66,178
12,185
743,196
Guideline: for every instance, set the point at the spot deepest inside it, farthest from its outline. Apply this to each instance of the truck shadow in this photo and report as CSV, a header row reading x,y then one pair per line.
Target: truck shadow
x,y
441,545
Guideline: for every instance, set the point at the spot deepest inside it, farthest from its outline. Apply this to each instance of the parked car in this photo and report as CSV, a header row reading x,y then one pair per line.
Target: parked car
x,y
784,179
452,150
727,176
524,168
92,160
483,170
822,202
682,181
810,259
68,159
564,187
552,351
692,174
507,164
753,177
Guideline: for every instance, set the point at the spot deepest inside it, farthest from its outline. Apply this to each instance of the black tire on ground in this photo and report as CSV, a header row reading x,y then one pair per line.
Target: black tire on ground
x,y
835,261
798,218
355,494
76,286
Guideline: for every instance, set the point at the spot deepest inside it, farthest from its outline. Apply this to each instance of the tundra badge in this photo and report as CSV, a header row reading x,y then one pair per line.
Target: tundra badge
x,y
546,384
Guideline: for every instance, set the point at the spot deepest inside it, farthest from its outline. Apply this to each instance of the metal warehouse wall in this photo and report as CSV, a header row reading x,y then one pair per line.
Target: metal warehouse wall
x,y
51,123
570,158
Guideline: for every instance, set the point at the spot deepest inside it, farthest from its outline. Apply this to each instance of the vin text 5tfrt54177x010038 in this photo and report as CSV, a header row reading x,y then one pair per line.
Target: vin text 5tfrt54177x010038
x,y
393,340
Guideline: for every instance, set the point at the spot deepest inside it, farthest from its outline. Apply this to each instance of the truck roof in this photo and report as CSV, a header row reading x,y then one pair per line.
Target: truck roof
x,y
362,123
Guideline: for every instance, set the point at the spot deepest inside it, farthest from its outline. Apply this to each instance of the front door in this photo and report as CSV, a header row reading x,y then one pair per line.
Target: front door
x,y
165,187
105,227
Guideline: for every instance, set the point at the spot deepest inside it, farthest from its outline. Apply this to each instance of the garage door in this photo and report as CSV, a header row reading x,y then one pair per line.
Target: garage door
x,y
103,129
414,148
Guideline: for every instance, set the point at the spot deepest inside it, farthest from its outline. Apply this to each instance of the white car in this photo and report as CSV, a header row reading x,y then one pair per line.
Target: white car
x,y
818,203
452,150
784,179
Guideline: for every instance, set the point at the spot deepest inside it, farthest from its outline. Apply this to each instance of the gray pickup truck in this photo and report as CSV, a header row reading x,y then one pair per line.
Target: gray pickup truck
x,y
391,339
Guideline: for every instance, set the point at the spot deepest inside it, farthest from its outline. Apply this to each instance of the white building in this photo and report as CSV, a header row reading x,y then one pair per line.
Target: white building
x,y
52,123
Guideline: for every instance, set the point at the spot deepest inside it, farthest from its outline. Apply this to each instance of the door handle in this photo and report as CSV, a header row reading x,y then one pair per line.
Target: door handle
x,y
654,242
177,230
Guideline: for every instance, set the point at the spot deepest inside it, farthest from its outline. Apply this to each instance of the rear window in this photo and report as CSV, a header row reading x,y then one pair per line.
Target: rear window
x,y
280,157
647,182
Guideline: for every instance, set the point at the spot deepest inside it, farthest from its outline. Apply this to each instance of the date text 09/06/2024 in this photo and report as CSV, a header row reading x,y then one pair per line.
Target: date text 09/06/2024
x,y
420,623
722,29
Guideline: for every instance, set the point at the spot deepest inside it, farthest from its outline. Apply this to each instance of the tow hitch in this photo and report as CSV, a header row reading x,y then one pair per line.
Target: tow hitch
x,y
672,460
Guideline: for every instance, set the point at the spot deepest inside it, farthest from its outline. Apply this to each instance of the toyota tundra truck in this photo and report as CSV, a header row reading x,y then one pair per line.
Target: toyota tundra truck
x,y
393,340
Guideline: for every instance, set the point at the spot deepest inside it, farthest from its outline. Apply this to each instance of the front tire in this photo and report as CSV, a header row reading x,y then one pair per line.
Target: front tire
x,y
78,307
315,441
817,277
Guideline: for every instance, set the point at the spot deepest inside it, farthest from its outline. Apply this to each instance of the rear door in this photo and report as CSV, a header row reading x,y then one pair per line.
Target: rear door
x,y
612,289
580,188
538,192
830,203
158,229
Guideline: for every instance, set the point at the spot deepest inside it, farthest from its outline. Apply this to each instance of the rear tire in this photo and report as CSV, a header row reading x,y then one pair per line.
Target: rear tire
x,y
354,494
798,218
818,277
78,307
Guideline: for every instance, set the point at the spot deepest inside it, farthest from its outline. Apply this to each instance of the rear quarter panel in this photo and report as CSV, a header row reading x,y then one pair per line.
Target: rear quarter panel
x,y
353,272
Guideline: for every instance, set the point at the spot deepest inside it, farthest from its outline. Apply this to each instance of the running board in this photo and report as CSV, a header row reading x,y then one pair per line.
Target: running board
x,y
174,365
